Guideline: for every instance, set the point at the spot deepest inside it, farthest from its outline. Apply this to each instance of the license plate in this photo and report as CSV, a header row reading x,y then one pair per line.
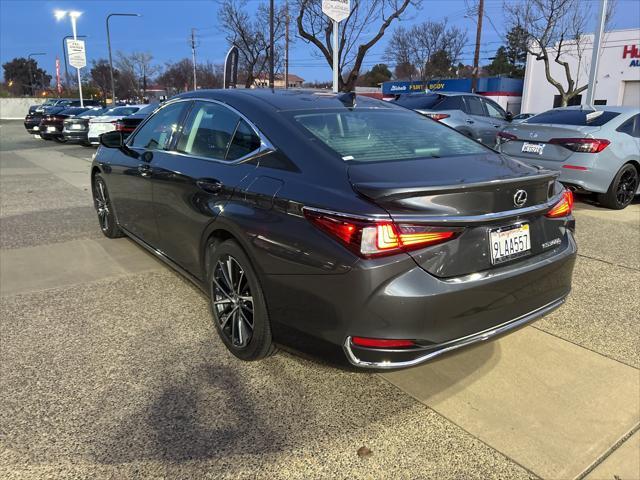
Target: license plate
x,y
510,242
533,148
76,126
51,129
36,128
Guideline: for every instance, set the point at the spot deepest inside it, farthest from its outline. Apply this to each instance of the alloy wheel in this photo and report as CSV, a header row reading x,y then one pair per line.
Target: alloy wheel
x,y
232,301
627,186
102,204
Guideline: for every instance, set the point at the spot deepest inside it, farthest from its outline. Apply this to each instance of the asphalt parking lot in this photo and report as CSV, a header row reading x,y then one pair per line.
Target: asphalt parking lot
x,y
110,366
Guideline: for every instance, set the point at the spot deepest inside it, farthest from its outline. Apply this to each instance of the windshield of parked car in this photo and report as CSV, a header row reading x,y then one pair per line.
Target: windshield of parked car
x,y
122,111
590,118
93,112
374,135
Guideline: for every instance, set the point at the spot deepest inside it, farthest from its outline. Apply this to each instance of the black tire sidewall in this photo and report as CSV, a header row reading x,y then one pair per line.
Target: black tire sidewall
x,y
610,199
260,344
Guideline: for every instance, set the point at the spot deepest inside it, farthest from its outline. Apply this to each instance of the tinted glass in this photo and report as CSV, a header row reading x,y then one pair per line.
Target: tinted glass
x,y
148,109
418,102
450,103
123,111
474,106
156,134
631,126
93,112
574,117
73,111
495,111
245,141
372,135
208,131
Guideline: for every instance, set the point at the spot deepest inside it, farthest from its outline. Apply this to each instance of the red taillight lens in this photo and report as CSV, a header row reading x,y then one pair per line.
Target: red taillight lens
x,y
381,342
563,207
504,137
582,145
436,116
372,239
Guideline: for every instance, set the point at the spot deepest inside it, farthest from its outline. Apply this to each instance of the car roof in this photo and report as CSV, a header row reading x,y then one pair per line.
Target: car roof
x,y
290,99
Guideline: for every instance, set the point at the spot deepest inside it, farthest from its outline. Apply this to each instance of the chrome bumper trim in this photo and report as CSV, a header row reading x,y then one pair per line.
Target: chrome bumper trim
x,y
457,343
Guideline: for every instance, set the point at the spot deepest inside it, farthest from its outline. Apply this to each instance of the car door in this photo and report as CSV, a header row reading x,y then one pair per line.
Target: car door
x,y
497,118
192,185
132,169
477,120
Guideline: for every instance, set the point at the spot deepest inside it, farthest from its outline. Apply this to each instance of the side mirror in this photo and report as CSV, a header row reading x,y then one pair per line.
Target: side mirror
x,y
509,116
112,139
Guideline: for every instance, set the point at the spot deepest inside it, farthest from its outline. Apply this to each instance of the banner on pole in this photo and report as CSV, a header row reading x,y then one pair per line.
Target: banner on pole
x,y
230,76
76,52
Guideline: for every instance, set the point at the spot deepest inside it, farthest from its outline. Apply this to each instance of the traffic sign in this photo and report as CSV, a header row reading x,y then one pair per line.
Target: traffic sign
x,y
76,52
336,10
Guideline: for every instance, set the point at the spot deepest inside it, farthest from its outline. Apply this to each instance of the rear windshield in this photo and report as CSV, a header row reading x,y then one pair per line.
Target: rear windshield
x,y
591,118
73,111
381,135
93,112
418,102
122,111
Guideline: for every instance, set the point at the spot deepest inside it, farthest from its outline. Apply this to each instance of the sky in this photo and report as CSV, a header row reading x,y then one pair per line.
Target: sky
x,y
29,26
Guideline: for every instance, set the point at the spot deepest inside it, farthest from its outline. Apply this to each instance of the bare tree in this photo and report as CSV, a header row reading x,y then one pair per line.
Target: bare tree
x,y
250,34
177,77
210,75
361,30
139,66
555,31
426,46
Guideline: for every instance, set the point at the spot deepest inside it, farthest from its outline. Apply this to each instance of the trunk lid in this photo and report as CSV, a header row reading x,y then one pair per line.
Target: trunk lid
x,y
541,134
473,193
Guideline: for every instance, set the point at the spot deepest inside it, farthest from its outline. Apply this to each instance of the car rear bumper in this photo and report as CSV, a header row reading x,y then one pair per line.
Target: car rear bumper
x,y
403,301
75,136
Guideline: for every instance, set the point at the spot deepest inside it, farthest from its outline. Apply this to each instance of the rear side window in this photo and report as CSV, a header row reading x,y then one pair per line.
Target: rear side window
x,y
208,131
245,141
631,126
371,135
591,118
418,102
156,134
474,106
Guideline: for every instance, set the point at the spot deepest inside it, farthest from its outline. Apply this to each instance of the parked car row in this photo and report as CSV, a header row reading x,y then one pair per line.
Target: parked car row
x,y
595,149
65,121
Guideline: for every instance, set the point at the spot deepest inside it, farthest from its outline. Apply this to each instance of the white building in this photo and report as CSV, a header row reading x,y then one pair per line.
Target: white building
x,y
618,79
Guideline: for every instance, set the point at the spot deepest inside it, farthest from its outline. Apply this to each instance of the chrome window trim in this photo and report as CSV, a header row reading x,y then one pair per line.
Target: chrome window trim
x,y
441,348
265,144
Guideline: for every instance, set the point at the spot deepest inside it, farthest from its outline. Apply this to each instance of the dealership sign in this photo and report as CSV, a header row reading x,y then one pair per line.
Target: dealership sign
x,y
77,55
632,52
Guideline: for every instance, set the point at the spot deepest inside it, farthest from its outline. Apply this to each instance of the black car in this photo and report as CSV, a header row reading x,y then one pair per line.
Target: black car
x,y
128,124
339,225
33,118
51,124
75,129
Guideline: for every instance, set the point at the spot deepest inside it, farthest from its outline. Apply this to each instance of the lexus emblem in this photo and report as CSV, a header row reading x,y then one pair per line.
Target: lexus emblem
x,y
533,135
520,198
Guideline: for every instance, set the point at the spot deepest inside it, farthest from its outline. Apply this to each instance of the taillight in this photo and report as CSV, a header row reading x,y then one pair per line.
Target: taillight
x,y
368,238
582,145
504,137
435,116
121,127
563,207
381,342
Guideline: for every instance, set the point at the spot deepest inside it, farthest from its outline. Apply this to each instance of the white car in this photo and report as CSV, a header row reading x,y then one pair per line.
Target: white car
x,y
107,121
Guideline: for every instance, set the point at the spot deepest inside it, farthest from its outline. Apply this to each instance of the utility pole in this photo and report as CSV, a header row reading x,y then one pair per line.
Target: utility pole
x,y
286,45
476,55
193,57
595,55
271,51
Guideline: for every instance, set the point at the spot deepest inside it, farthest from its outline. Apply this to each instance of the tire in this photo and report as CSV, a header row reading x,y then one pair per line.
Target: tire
x,y
59,139
102,203
242,324
622,189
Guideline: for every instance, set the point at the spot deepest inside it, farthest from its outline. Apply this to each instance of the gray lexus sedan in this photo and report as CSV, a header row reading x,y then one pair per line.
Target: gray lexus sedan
x,y
341,226
595,149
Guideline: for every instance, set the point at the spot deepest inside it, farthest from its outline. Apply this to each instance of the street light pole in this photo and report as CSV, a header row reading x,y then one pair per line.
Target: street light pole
x,y
29,67
113,85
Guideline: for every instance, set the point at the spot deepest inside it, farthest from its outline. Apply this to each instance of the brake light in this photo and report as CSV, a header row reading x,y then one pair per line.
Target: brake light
x,y
582,145
504,137
368,238
121,127
436,116
564,207
381,342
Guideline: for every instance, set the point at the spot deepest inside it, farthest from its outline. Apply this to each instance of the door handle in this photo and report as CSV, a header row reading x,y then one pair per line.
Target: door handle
x,y
469,120
209,185
145,170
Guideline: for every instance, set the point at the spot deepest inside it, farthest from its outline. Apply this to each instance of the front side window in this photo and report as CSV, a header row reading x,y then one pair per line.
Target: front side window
x,y
474,105
372,135
214,131
494,110
157,132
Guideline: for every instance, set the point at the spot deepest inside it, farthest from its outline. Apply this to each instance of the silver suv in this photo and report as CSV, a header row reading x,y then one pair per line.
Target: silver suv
x,y
474,115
